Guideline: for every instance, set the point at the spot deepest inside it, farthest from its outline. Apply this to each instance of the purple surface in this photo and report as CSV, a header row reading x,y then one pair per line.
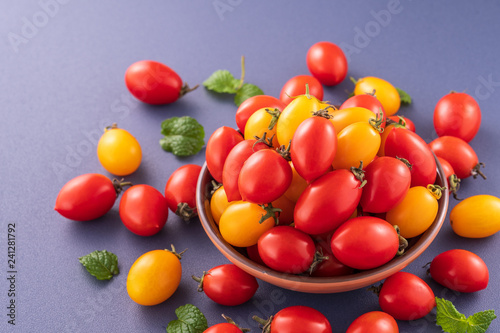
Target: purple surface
x,y
61,83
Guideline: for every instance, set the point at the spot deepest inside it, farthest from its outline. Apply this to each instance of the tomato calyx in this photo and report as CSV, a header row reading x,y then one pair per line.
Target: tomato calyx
x,y
377,123
199,280
400,123
112,126
405,161
375,289
265,323
232,322
177,254
319,257
264,139
271,211
215,186
119,184
436,190
359,173
403,243
454,183
476,171
186,89
275,115
284,151
324,112
184,211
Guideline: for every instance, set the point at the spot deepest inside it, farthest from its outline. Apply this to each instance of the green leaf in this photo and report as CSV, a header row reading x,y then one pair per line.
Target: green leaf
x,y
183,136
246,91
190,320
452,321
222,81
101,264
404,96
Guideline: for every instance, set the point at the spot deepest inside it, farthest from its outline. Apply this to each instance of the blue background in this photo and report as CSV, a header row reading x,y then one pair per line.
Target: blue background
x,y
61,82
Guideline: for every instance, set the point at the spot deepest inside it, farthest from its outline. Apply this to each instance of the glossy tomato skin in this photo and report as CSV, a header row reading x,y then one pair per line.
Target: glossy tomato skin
x,y
327,202
387,182
233,164
460,270
218,203
258,125
477,216
143,210
286,249
252,104
366,101
300,319
153,82
264,177
219,145
385,92
447,168
408,145
458,153
365,242
223,328
118,151
327,62
181,187
297,86
154,277
86,197
229,285
405,121
345,117
374,321
330,266
313,147
457,114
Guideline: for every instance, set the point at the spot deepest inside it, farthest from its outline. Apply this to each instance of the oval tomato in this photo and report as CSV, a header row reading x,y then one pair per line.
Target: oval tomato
x,y
262,125
477,216
459,154
180,191
223,328
87,197
405,296
218,203
327,63
374,321
385,92
313,147
387,182
143,210
228,285
345,117
365,242
457,114
327,202
297,86
219,145
286,249
298,319
264,177
408,145
254,103
366,101
460,270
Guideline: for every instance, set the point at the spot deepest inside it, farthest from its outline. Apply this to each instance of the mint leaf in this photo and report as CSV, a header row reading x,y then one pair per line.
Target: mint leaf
x,y
222,81
452,321
101,264
183,136
246,91
404,96
190,320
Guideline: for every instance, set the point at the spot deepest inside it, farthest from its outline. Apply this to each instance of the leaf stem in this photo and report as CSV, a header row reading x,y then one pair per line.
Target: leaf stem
x,y
242,79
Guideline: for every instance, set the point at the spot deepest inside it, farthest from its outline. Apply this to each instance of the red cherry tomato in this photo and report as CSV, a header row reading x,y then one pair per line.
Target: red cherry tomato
x,y
180,190
374,321
330,266
327,62
365,242
252,104
387,182
300,319
459,154
219,145
327,202
253,253
366,101
457,114
408,145
87,197
228,285
154,83
286,249
233,164
460,270
447,168
143,210
405,296
264,177
406,122
223,328
297,86
313,147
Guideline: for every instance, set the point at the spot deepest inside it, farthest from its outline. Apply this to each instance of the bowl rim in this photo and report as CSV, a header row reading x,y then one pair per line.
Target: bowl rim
x,y
317,284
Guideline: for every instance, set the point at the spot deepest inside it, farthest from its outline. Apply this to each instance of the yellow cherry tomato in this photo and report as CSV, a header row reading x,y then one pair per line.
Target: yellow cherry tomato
x,y
415,214
118,151
385,92
239,224
218,203
345,117
301,108
297,186
357,142
260,122
154,277
476,217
